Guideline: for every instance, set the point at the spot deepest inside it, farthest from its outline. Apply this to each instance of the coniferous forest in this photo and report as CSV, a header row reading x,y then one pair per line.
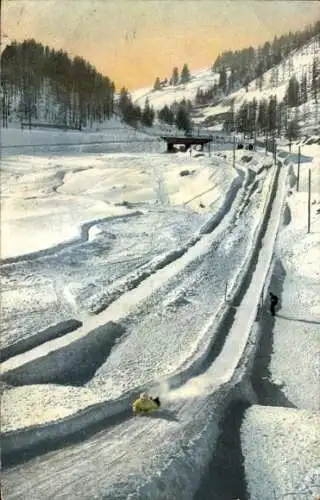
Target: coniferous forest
x,y
248,64
42,83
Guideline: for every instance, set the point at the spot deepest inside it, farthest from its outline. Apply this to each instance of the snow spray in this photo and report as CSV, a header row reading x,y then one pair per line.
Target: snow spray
x,y
196,387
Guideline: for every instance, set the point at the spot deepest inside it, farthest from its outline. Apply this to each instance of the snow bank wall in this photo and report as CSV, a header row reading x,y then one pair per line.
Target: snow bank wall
x,y
36,440
49,333
293,454
73,364
84,236
133,280
217,327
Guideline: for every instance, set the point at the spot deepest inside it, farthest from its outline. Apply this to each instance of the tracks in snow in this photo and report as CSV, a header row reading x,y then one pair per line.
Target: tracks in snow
x,y
105,412
84,236
160,264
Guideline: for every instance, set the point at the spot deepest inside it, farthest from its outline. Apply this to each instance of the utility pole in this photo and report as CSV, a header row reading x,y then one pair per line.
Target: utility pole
x,y
234,153
299,157
266,141
274,151
309,200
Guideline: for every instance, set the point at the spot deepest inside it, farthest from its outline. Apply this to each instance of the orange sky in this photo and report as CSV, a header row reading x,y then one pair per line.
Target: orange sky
x,y
133,41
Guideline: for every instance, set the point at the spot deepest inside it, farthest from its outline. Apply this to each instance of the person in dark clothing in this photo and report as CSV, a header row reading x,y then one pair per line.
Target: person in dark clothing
x,y
273,302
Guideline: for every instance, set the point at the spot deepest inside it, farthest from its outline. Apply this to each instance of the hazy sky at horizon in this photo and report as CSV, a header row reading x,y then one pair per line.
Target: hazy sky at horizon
x,y
133,41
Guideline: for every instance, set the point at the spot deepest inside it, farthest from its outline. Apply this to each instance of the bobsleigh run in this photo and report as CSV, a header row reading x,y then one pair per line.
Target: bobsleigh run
x,y
146,404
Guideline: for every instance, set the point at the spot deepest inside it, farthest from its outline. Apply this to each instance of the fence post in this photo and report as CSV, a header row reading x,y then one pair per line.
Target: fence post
x,y
234,153
299,157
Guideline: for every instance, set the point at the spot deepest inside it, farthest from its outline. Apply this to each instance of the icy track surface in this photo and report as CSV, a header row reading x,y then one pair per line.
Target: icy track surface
x,y
163,323
175,442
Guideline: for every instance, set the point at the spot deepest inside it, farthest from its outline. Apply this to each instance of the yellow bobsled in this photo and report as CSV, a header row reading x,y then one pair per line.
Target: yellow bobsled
x,y
145,404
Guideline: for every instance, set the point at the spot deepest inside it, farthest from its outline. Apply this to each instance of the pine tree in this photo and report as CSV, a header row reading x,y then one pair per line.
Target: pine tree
x,y
272,115
292,93
166,115
231,81
252,114
262,118
124,101
242,122
130,113
223,80
147,114
182,120
280,116
185,74
157,84
175,76
292,132
274,80
315,78
303,89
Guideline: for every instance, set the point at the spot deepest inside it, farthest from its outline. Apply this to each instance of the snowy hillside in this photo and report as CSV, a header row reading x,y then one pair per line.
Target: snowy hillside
x,y
274,82
203,80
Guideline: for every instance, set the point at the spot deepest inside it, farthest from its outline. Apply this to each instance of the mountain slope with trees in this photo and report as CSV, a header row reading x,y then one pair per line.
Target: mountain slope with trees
x,y
39,83
249,64
278,102
270,89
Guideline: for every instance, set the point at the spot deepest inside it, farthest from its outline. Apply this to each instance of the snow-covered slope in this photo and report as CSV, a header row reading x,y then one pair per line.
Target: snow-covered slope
x,y
203,79
298,63
274,82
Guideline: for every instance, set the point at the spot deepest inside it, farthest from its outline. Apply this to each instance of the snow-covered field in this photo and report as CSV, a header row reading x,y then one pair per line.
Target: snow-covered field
x,y
142,256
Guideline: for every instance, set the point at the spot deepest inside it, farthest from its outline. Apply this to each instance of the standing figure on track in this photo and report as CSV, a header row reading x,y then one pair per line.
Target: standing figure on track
x,y
273,302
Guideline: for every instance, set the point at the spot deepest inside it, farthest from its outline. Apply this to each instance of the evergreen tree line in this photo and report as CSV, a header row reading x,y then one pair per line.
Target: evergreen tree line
x,y
210,96
176,78
248,64
177,114
131,113
35,77
273,118
267,117
297,92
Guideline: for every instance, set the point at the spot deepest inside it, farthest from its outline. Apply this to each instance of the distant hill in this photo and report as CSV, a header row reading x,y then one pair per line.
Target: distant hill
x,y
282,100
